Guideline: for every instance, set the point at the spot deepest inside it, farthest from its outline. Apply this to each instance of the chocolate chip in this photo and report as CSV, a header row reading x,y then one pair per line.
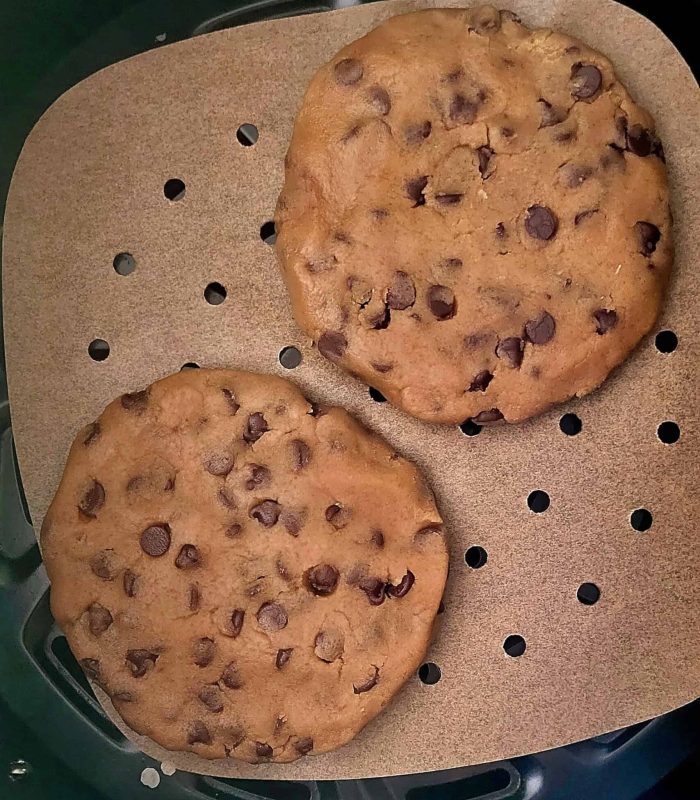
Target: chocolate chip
x,y
414,190
233,530
231,677
292,522
564,136
99,619
212,699
329,645
452,263
441,302
481,381
487,417
218,463
332,345
301,455
141,661
574,175
549,115
236,621
255,427
541,222
586,80
462,111
380,100
584,215
374,589
403,587
266,513
263,750
304,746
104,565
259,476
203,651
642,142
129,582
155,540
283,656
91,667
92,434
226,498
448,199
198,733
417,132
322,579
511,351
194,597
605,320
486,168
648,236
377,539
402,293
541,329
338,516
348,71
370,683
93,499
231,400
272,617
136,402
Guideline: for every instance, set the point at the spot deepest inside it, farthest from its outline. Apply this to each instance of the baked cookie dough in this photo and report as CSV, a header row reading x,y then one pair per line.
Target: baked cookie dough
x,y
243,573
475,216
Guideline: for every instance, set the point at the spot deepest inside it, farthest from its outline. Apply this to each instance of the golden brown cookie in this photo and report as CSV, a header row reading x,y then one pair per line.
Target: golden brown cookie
x,y
244,574
475,215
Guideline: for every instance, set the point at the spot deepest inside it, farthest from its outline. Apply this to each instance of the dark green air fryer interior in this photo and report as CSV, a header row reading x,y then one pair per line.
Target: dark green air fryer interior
x,y
55,741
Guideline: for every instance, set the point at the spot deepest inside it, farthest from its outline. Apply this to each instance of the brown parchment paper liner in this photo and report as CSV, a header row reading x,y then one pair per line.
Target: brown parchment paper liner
x,y
89,184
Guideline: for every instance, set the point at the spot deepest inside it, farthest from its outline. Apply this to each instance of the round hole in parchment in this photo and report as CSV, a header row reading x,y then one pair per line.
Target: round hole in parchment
x,y
666,341
268,233
429,673
668,432
538,501
641,519
470,428
174,189
215,294
376,395
98,350
124,263
514,645
475,557
588,594
570,424
247,134
189,365
290,357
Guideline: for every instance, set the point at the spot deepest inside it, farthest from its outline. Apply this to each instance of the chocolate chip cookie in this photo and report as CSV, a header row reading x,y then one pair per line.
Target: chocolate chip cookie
x,y
245,574
475,215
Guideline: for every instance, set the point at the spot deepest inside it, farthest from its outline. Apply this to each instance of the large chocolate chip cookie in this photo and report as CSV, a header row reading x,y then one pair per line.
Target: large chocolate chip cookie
x,y
475,216
244,574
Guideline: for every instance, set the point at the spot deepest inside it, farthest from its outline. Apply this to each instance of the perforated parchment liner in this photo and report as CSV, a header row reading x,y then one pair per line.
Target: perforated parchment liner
x,y
89,184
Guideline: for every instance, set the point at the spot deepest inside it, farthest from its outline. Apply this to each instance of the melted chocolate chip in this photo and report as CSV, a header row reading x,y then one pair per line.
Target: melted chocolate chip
x,y
586,80
218,463
292,522
584,215
233,530
91,668
256,426
648,236
231,400
605,320
322,579
549,115
380,100
448,199
370,683
541,222
92,434
403,587
441,302
414,190
236,621
332,345
304,746
141,661
329,645
377,539
481,381
136,402
283,655
198,733
155,540
266,513
541,329
104,565
129,582
642,142
574,175
417,132
92,500
272,617
402,293
263,750
348,71
99,619
374,588
259,476
337,515
488,417
486,168
301,455
511,351
194,597
462,111
212,698
226,498
203,651
231,677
